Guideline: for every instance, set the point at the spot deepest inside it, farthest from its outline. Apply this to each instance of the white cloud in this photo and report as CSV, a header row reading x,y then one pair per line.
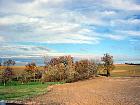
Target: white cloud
x,y
15,19
129,32
116,37
54,54
1,38
109,13
54,21
125,22
48,31
10,49
55,25
68,38
123,4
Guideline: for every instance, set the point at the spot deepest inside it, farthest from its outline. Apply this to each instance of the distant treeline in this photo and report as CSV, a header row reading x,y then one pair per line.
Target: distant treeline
x,y
132,63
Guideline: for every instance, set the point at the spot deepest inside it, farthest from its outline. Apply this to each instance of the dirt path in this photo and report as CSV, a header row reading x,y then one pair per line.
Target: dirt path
x,y
100,91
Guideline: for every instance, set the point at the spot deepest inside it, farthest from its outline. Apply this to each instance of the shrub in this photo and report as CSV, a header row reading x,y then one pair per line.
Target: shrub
x,y
31,72
66,60
51,74
55,73
71,74
64,69
56,69
85,69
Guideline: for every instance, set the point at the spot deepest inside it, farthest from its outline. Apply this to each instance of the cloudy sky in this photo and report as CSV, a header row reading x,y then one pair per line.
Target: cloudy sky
x,y
77,27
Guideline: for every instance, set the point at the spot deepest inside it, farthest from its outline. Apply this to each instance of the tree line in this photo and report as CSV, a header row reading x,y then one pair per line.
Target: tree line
x,y
61,68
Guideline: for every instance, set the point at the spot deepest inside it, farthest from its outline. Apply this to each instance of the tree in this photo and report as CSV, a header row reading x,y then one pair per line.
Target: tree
x,y
85,69
9,62
0,63
57,68
108,63
7,74
31,71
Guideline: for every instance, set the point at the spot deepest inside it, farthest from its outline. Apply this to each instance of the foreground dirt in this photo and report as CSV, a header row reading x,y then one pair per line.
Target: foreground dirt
x,y
99,91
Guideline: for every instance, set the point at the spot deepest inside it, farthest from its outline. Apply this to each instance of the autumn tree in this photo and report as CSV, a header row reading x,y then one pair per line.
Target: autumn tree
x,y
56,69
31,72
66,60
108,63
7,73
85,69
63,68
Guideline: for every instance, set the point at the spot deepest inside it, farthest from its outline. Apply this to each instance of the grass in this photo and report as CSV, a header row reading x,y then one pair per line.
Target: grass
x,y
126,70
123,70
17,91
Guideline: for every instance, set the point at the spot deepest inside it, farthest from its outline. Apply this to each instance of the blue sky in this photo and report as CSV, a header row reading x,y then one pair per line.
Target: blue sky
x,y
87,28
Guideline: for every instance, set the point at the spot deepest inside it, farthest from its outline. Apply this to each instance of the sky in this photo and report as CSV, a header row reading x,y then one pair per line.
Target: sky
x,y
83,28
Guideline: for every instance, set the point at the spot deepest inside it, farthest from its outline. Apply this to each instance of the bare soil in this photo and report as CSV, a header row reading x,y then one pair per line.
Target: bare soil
x,y
99,91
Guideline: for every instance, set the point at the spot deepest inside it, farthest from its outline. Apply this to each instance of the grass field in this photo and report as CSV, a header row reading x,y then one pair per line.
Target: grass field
x,y
21,91
122,70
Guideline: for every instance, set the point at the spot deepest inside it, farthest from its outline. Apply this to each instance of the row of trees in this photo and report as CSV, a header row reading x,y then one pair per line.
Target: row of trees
x,y
30,72
58,69
64,69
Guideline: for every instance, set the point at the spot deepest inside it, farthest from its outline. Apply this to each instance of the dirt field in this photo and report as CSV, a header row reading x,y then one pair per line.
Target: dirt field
x,y
99,91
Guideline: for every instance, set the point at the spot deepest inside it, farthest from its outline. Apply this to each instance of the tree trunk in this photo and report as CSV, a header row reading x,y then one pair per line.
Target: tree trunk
x,y
108,73
34,77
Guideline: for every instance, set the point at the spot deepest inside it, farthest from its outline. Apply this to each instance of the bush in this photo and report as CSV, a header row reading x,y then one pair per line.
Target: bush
x,y
66,60
57,67
51,73
85,69
31,72
64,69
71,74
55,73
